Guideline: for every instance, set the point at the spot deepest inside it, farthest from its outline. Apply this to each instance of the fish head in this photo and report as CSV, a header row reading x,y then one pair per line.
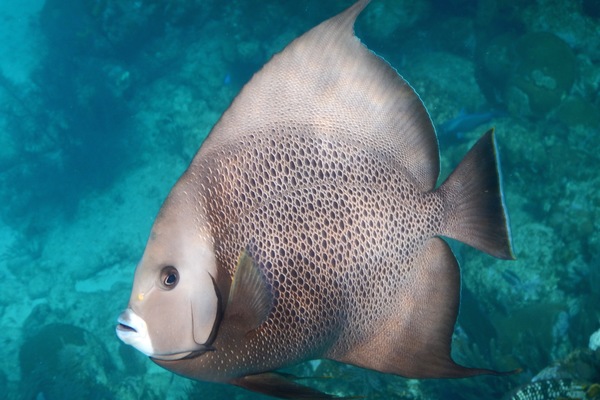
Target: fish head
x,y
173,310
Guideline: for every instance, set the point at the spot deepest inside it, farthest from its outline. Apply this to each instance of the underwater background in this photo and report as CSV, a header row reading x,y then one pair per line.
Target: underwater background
x,y
103,103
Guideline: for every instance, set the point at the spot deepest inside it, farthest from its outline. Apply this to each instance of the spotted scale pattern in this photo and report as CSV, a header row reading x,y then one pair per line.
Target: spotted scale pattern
x,y
334,226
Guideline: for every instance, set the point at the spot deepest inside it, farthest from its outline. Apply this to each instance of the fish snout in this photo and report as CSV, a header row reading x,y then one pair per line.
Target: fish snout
x,y
132,330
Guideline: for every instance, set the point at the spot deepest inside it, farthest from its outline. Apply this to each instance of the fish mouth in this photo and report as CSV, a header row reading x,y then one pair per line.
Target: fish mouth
x,y
124,327
132,330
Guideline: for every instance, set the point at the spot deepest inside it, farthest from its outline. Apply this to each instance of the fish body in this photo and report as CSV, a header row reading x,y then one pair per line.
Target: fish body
x,y
307,226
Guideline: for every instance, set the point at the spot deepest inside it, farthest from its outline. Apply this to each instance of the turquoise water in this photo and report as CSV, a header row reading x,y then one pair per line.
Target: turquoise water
x,y
103,104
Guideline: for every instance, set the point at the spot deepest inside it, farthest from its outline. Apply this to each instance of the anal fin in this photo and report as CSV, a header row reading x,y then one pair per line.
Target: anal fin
x,y
415,340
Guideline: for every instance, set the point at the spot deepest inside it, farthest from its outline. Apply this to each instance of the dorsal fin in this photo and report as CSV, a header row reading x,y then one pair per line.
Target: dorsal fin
x,y
327,83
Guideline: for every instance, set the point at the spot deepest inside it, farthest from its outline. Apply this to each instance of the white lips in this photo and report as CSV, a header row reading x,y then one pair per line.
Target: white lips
x,y
132,330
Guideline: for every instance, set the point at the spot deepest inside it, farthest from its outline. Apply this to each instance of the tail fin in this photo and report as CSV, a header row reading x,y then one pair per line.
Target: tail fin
x,y
475,205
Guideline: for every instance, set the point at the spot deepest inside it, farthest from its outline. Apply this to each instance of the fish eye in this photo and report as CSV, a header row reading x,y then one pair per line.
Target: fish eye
x,y
169,277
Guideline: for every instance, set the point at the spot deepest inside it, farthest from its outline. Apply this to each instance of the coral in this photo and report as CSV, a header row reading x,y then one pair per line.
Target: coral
x,y
553,389
575,376
28,249
545,70
58,360
64,361
579,111
530,74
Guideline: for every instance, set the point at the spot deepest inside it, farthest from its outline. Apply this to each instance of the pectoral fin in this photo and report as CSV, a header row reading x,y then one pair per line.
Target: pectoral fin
x,y
250,297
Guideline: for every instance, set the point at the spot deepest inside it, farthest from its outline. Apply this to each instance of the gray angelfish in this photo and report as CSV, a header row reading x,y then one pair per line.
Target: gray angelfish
x,y
308,224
